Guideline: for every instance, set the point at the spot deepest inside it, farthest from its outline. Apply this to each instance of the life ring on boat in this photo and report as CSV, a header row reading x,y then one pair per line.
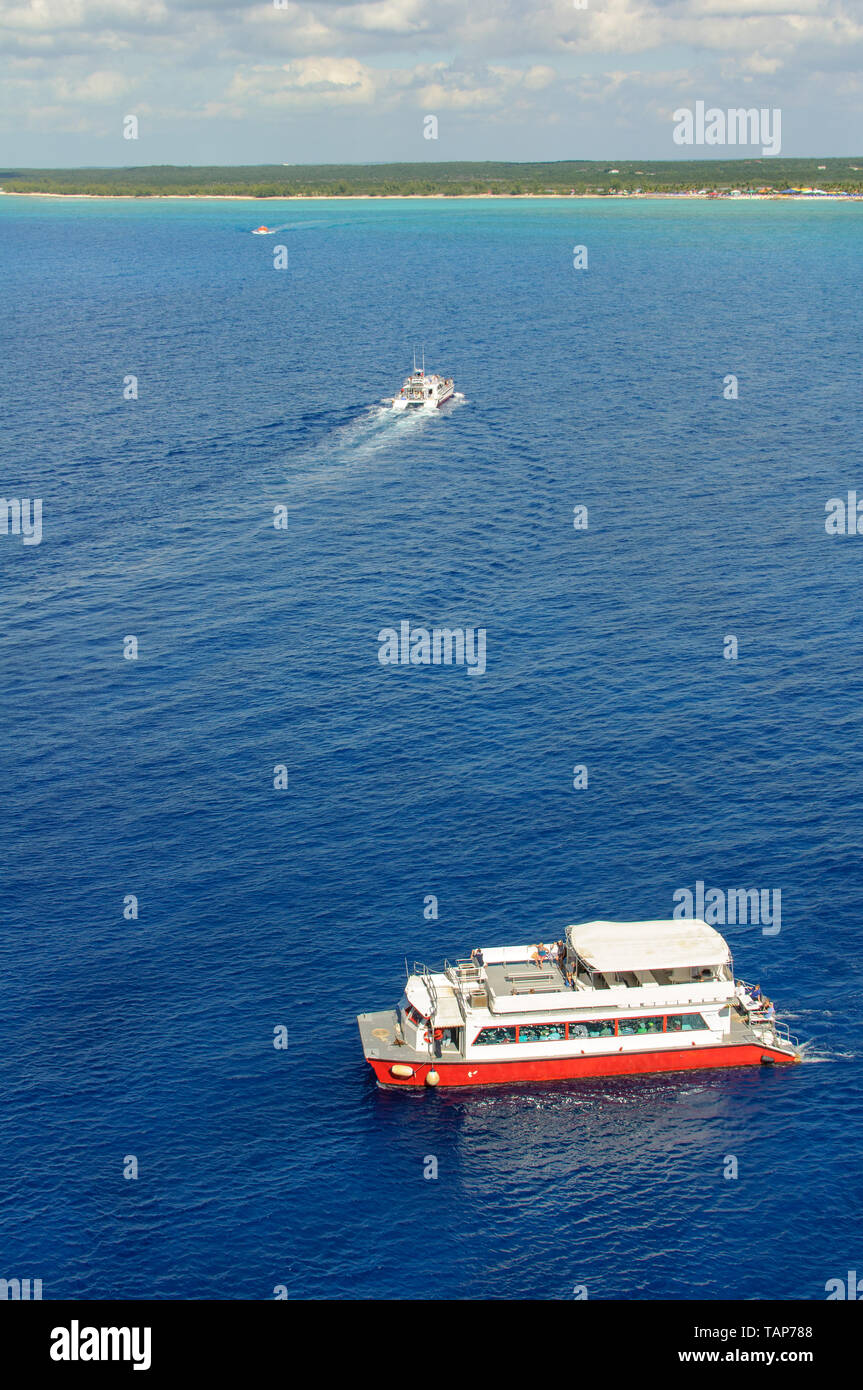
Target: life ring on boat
x,y
436,1033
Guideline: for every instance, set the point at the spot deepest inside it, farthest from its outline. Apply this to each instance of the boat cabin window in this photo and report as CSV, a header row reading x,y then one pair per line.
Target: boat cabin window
x,y
593,1028
587,1028
541,1032
494,1035
627,1027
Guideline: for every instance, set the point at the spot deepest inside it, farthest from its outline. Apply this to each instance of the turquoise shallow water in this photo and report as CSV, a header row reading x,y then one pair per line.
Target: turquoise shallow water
x,y
260,387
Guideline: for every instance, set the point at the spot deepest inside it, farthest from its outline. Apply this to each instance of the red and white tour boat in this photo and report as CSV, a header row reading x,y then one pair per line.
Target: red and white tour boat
x,y
612,998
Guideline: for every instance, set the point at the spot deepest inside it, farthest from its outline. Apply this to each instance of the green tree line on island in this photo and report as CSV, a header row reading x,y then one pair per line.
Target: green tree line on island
x,y
453,179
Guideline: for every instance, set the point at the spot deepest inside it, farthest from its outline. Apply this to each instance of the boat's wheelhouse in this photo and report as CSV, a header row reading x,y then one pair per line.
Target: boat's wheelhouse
x,y
417,389
427,1017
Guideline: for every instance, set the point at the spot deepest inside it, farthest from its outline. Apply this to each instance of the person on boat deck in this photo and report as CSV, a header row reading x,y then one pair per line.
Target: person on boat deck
x,y
476,956
755,992
769,1011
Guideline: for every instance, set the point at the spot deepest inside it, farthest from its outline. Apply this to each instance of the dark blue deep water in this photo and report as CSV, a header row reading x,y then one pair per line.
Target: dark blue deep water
x,y
257,387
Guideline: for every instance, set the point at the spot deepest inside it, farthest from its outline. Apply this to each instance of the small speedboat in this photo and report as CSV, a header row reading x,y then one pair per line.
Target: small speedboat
x,y
261,231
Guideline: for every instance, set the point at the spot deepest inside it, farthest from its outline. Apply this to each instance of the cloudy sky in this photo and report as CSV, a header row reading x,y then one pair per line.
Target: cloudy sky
x,y
242,81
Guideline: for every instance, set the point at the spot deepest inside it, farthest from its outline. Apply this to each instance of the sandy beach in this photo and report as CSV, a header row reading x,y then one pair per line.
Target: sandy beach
x,y
442,197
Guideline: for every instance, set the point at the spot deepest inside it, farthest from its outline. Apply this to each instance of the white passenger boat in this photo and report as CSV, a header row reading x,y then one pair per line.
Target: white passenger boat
x,y
612,998
427,392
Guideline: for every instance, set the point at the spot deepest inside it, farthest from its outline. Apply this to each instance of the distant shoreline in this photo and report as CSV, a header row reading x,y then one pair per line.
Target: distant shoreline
x,y
770,177
441,197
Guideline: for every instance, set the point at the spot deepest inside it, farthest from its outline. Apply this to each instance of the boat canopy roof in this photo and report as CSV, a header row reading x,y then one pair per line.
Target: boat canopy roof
x,y
664,945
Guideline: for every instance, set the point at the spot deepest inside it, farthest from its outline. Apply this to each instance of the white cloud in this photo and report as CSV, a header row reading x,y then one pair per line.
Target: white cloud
x,y
400,17
307,83
233,59
95,88
321,82
483,29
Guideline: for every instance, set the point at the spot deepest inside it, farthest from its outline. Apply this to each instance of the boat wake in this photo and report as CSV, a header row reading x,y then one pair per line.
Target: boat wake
x,y
815,1049
814,1052
379,428
265,230
364,438
298,226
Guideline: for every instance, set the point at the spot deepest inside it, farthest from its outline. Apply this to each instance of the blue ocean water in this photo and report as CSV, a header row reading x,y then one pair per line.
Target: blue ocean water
x,y
257,387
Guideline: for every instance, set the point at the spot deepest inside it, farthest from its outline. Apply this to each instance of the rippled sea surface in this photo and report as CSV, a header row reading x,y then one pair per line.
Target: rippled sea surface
x,y
259,387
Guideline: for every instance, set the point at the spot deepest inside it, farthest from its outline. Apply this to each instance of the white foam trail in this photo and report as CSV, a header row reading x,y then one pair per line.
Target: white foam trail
x,y
379,430
296,226
826,1054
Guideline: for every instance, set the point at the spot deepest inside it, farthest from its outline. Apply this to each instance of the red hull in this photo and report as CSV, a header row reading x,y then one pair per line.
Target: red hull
x,y
570,1068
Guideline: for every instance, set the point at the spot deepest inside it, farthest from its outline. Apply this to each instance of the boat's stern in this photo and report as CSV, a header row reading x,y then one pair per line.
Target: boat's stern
x,y
426,392
769,1035
780,1045
754,1017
